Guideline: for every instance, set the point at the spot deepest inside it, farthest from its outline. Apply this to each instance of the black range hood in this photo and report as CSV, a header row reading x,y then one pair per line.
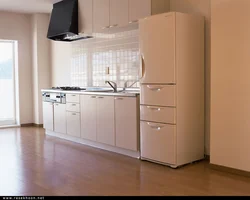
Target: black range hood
x,y
64,22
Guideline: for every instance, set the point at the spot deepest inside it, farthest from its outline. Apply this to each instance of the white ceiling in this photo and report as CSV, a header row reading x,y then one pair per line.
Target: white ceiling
x,y
27,6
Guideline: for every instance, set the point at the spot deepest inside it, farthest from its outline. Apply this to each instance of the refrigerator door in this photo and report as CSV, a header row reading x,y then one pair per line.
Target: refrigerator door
x,y
157,48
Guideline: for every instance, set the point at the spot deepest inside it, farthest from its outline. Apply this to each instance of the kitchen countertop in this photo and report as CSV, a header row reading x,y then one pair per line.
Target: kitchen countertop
x,y
126,93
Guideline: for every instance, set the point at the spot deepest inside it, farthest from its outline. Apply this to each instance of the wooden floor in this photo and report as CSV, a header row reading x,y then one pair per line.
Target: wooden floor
x,y
34,164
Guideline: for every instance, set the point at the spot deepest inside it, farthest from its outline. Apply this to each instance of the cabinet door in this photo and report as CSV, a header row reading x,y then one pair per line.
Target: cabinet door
x,y
126,123
118,13
158,52
101,15
139,9
60,118
88,117
105,120
85,16
48,116
73,124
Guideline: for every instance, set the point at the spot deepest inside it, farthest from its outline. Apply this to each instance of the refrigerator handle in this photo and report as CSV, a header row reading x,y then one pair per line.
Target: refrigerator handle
x,y
142,67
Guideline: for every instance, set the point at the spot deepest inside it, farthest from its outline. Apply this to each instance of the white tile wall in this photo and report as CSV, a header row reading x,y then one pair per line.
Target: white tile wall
x,y
90,59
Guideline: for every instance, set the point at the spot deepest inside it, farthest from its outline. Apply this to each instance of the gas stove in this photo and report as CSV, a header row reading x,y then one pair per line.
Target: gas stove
x,y
67,88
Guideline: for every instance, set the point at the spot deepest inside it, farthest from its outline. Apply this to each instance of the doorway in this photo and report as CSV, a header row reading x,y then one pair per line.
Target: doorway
x,y
7,82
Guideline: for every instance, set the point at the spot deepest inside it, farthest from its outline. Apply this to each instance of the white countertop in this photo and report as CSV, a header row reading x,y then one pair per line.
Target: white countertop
x,y
127,93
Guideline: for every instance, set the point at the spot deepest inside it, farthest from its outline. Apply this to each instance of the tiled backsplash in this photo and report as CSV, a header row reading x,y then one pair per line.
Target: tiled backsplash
x,y
117,54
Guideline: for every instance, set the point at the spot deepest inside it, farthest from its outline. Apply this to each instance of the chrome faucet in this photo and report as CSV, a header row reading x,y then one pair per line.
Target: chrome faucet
x,y
114,86
126,84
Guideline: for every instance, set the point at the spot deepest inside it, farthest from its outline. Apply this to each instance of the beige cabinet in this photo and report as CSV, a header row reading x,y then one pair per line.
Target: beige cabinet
x,y
73,124
88,117
48,116
139,9
118,13
85,16
126,123
101,11
60,118
105,120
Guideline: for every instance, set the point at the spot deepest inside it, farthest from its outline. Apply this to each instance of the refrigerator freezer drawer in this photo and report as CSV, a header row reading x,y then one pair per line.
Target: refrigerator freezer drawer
x,y
161,95
158,142
158,114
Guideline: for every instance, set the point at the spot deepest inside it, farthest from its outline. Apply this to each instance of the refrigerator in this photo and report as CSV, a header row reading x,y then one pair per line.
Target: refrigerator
x,y
172,88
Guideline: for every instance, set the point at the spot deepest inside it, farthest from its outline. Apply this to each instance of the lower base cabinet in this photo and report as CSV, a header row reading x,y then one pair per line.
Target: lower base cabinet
x,y
73,124
126,120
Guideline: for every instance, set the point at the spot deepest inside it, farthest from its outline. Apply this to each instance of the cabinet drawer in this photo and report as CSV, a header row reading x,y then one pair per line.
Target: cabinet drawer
x,y
158,142
73,124
73,98
161,95
73,107
158,114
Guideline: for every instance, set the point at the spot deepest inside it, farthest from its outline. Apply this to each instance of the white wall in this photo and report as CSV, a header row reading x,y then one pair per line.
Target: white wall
x,y
201,7
60,63
41,62
17,27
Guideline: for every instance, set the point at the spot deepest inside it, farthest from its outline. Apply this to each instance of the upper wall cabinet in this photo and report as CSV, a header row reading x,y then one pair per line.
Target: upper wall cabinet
x,y
139,9
118,13
101,15
109,16
85,16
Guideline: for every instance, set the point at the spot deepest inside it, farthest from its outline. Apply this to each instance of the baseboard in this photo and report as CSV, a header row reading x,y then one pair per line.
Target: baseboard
x,y
32,125
229,170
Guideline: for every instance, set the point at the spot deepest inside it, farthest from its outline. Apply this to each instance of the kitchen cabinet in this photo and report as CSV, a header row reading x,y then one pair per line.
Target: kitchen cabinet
x,y
119,13
88,117
85,16
73,124
126,123
101,15
139,9
105,120
48,116
60,118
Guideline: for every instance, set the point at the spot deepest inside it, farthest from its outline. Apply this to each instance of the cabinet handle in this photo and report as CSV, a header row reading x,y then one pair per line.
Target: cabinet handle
x,y
155,88
118,98
73,113
100,97
93,97
73,95
134,21
113,25
105,27
56,104
156,127
73,104
155,108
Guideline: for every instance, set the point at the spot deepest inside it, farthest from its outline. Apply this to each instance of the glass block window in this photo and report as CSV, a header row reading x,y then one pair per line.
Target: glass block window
x,y
92,58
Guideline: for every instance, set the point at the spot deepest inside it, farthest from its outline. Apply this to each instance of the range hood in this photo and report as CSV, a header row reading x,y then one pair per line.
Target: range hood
x,y
64,22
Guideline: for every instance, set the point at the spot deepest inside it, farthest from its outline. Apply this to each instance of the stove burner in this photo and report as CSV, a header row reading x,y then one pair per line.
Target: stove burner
x,y
67,88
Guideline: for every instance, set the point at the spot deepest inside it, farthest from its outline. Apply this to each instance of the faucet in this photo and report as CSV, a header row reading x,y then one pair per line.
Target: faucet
x,y
126,84
114,86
